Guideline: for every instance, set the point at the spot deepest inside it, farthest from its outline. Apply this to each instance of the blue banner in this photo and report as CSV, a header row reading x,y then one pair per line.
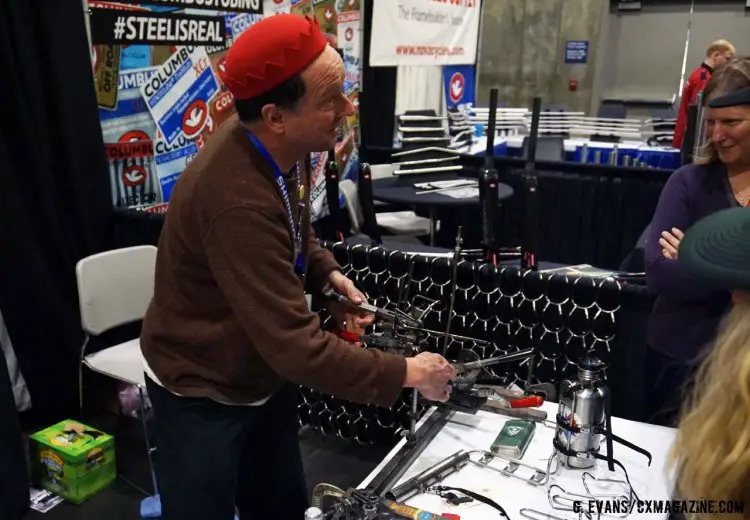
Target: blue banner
x,y
458,81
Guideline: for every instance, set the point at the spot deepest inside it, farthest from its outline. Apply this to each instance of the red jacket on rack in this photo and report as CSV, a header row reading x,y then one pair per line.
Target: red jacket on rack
x,y
695,83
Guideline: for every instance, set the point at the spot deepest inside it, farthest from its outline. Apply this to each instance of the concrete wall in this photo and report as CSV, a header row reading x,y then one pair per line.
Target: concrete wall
x,y
522,50
634,55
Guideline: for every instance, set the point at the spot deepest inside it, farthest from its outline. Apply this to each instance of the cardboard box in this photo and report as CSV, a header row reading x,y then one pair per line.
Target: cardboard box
x,y
72,460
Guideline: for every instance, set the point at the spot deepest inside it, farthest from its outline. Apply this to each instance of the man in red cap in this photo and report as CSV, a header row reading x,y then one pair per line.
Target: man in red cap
x,y
229,333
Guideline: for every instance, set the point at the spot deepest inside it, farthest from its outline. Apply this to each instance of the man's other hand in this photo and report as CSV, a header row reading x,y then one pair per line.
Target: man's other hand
x,y
430,374
345,316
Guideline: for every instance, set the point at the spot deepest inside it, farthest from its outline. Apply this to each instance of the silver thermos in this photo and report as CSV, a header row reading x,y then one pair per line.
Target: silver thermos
x,y
582,405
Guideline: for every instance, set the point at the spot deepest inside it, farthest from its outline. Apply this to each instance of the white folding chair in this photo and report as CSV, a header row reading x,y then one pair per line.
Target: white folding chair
x,y
349,190
400,223
381,171
114,289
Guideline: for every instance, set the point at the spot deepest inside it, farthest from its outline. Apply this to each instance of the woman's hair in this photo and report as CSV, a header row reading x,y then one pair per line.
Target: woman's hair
x,y
711,453
732,77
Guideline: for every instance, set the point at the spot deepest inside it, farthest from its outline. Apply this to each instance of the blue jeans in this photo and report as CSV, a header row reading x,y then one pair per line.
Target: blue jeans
x,y
212,457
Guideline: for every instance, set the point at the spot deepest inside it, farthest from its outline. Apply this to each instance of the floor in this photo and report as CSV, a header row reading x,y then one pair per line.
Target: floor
x,y
327,459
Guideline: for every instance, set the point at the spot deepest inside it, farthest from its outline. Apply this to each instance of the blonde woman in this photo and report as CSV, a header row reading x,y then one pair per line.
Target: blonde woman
x,y
687,312
711,454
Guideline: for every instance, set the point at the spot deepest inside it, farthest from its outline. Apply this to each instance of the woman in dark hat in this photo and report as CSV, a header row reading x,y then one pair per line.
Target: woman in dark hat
x,y
711,453
687,312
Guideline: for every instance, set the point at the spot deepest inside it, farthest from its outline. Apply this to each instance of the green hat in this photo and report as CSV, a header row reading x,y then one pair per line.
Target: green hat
x,y
717,249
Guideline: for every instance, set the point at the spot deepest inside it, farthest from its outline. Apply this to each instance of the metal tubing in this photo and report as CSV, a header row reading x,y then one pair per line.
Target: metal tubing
x,y
430,476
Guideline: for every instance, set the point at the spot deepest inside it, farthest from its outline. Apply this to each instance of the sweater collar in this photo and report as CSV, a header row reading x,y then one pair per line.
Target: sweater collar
x,y
240,136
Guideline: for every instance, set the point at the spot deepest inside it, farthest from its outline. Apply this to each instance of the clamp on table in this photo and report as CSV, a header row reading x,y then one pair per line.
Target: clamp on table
x,y
472,392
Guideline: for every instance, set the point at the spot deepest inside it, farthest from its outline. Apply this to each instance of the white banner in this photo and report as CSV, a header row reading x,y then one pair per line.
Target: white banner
x,y
424,32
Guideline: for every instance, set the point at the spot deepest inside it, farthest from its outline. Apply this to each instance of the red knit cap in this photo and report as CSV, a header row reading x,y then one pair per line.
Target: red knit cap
x,y
270,52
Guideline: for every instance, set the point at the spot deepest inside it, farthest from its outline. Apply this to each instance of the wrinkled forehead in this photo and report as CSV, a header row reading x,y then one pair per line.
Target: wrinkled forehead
x,y
736,113
326,70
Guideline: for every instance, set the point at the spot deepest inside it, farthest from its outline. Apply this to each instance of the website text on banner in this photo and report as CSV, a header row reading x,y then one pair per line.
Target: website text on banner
x,y
235,6
424,32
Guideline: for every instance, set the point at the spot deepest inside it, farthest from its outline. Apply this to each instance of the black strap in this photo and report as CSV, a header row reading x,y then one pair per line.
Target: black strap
x,y
608,433
475,496
632,446
596,455
598,429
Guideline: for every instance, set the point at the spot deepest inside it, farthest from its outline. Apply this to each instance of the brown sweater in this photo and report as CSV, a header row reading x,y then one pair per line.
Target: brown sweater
x,y
229,319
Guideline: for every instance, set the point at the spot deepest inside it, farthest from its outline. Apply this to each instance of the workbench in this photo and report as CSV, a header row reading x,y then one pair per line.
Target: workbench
x,y
477,432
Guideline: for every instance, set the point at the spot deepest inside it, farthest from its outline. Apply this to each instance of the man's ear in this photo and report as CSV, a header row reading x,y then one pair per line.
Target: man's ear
x,y
273,117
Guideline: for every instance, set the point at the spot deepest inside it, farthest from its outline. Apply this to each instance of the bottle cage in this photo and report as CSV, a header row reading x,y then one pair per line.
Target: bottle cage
x,y
600,429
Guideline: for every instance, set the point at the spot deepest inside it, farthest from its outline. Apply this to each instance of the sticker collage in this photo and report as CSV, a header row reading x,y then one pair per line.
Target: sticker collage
x,y
160,94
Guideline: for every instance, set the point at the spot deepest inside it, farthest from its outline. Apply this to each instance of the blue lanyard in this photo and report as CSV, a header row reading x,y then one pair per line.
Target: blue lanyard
x,y
299,264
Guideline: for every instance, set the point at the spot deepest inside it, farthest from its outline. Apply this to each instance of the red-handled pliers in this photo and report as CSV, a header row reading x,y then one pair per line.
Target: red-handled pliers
x,y
346,335
510,399
526,402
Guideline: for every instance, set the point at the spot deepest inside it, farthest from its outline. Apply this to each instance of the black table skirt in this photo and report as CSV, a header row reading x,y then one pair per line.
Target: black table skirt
x,y
583,219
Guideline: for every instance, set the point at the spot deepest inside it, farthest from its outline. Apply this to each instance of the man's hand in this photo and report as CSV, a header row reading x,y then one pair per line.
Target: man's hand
x,y
430,374
670,243
345,316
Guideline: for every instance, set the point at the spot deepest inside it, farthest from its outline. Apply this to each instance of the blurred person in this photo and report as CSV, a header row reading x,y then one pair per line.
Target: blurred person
x,y
711,453
229,335
718,55
686,312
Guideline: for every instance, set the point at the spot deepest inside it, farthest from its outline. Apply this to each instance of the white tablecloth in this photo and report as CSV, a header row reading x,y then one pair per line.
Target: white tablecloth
x,y
477,432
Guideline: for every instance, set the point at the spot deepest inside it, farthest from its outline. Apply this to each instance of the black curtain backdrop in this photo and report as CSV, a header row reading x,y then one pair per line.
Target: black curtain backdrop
x,y
377,101
14,490
54,196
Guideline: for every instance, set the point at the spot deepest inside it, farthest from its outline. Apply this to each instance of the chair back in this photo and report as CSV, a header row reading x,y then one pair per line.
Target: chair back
x,y
381,171
351,200
368,221
334,207
548,148
635,262
612,111
664,113
115,287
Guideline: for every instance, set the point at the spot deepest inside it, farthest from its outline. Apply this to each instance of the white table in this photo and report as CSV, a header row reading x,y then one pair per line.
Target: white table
x,y
477,432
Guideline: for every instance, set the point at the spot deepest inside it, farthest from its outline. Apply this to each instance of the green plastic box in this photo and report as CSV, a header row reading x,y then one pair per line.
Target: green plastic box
x,y
72,460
